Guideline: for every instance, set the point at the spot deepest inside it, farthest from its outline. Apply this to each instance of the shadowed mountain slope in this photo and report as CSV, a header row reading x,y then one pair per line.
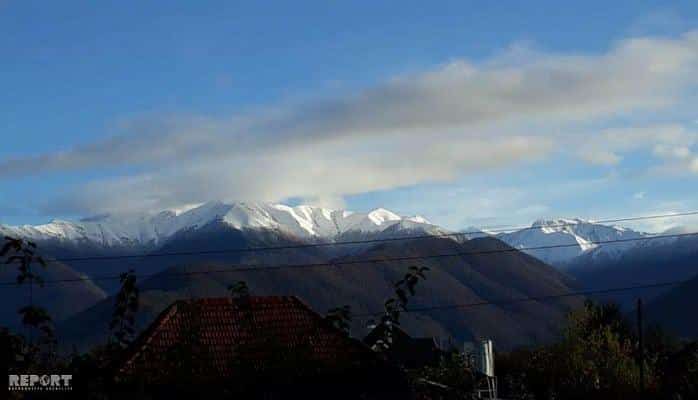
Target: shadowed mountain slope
x,y
365,286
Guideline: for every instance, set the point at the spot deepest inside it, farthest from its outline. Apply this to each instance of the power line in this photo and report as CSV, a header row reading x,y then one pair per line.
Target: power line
x,y
583,293
527,299
260,268
355,242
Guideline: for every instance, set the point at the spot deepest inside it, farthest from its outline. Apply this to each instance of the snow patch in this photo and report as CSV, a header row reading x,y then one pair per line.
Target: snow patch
x,y
380,215
304,222
564,239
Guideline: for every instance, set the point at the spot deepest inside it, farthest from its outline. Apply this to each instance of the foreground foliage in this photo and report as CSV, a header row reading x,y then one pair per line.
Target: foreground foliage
x,y
598,357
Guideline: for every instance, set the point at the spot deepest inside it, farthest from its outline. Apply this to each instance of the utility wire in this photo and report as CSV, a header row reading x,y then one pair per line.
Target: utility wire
x,y
583,293
269,268
358,242
527,299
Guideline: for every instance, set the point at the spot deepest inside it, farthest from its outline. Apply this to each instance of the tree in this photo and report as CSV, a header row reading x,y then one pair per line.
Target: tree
x,y
239,290
122,324
12,351
595,358
340,318
23,253
404,289
680,373
600,352
36,319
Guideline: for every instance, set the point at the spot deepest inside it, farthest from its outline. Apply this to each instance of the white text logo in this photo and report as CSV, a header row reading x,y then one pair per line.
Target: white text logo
x,y
40,382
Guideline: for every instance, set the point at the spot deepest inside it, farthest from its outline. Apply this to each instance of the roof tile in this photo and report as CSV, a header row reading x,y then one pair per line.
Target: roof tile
x,y
259,332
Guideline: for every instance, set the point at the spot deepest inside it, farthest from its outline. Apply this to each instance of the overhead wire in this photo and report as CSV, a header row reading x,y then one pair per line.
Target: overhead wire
x,y
238,268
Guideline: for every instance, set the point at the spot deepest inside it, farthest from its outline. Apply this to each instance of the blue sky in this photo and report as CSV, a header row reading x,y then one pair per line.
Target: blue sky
x,y
469,113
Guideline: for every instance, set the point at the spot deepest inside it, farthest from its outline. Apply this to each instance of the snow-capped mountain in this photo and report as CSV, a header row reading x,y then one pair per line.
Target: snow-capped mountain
x,y
301,222
149,231
575,236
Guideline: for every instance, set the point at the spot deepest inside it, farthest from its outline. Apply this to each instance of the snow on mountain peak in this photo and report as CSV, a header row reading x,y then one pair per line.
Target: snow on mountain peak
x,y
554,241
304,222
558,222
183,209
569,238
381,215
418,219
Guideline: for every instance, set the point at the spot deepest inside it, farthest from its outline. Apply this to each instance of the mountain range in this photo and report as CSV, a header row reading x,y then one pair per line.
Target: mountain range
x,y
574,238
93,249
148,230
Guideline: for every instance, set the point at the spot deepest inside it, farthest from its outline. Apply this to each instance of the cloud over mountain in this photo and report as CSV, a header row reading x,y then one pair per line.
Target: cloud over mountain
x,y
434,126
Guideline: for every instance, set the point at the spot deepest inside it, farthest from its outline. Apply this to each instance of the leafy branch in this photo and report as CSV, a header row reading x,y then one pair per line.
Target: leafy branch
x,y
23,253
239,290
408,284
340,318
404,289
37,318
123,319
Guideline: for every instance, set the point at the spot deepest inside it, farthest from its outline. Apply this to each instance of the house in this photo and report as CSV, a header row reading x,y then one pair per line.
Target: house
x,y
404,350
258,347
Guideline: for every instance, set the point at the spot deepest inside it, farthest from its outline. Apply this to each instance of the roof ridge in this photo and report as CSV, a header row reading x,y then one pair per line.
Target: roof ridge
x,y
289,318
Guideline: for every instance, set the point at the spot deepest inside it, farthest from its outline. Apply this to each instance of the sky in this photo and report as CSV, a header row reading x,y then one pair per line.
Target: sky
x,y
468,113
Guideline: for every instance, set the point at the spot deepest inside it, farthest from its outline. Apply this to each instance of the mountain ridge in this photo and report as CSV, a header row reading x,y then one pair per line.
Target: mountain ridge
x,y
574,236
485,268
152,229
467,278
148,231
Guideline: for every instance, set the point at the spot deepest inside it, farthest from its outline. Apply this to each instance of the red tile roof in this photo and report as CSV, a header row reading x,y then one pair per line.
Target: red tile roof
x,y
257,331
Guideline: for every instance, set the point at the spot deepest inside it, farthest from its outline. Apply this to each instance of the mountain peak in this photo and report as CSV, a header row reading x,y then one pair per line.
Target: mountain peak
x,y
569,237
301,221
558,222
381,215
561,238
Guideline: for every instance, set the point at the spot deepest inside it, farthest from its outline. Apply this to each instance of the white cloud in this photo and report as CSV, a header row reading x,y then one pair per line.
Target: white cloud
x,y
670,142
672,152
694,165
678,155
673,225
534,210
318,173
599,156
456,119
